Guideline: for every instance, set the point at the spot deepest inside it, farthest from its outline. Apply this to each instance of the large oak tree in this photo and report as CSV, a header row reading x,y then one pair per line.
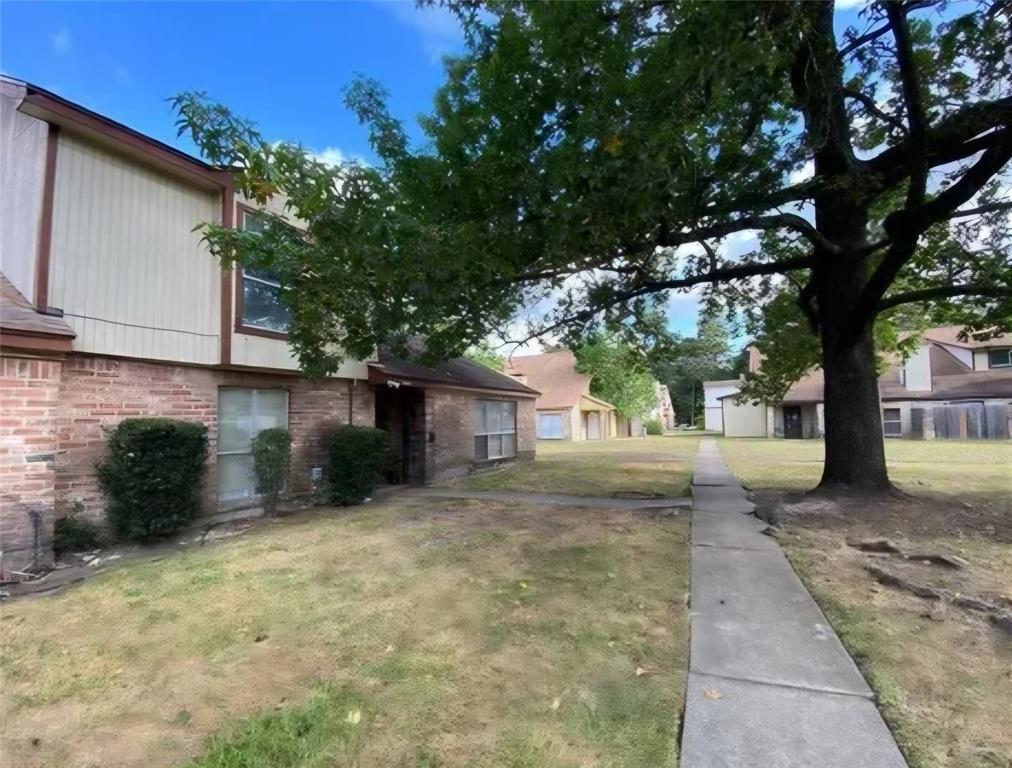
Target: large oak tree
x,y
595,155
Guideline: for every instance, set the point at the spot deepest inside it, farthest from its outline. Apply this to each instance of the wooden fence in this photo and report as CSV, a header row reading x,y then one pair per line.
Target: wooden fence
x,y
962,421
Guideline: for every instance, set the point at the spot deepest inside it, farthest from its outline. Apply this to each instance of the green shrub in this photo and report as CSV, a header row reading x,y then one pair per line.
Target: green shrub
x,y
653,427
74,533
152,476
272,461
357,460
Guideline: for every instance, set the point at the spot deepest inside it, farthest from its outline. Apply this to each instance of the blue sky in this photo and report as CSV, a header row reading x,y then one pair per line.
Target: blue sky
x,y
281,64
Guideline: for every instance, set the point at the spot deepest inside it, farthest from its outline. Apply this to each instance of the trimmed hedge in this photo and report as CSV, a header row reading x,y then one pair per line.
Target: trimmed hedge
x,y
357,460
272,460
653,427
152,476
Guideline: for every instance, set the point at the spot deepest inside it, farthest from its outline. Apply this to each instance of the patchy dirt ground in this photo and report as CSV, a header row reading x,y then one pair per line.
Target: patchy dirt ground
x,y
920,591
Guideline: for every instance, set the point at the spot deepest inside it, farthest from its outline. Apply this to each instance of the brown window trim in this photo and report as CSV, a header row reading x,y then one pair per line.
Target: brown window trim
x,y
240,326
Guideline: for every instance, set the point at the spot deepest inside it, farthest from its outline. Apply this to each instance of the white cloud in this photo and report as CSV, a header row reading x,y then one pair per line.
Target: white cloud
x,y
804,173
438,27
331,156
61,40
844,5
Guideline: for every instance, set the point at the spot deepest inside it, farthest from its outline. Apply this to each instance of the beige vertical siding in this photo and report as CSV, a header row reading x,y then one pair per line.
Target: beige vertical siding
x,y
262,352
127,268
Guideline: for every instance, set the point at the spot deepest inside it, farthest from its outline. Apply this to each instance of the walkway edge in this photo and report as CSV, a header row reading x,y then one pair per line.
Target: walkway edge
x,y
770,685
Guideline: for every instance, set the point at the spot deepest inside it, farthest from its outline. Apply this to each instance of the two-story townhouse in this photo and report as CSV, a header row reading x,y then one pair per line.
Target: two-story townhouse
x,y
954,386
112,308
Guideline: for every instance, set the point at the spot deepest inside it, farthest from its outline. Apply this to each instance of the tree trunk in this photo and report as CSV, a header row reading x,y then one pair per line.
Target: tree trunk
x,y
855,450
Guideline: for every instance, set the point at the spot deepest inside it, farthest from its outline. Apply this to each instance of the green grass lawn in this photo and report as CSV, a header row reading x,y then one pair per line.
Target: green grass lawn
x,y
415,633
941,673
652,465
934,466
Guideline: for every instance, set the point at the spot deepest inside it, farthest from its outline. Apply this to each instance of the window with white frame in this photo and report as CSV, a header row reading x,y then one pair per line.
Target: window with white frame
x,y
892,422
261,288
495,429
999,358
550,426
242,415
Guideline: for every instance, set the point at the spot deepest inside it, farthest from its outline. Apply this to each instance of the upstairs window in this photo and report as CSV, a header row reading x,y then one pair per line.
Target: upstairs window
x,y
495,429
999,358
262,307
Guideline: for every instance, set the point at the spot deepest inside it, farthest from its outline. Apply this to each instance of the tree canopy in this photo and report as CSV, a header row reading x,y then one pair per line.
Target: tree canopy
x,y
592,157
620,374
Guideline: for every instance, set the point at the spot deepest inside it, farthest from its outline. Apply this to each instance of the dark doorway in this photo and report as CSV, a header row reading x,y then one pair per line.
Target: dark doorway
x,y
400,412
792,421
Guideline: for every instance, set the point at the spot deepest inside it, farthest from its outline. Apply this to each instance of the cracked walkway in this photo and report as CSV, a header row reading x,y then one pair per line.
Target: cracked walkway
x,y
770,685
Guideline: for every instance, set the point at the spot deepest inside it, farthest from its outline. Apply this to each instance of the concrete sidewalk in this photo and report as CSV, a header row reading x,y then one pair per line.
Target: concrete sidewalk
x,y
770,685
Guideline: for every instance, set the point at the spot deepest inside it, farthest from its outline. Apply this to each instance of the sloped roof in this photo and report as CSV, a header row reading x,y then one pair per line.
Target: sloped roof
x,y
950,334
459,372
555,376
17,315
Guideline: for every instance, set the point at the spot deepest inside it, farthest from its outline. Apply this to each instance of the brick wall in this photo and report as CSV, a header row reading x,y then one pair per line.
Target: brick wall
x,y
449,417
29,391
98,393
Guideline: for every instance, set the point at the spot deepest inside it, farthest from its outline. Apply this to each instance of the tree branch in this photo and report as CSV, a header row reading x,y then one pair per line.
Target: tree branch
x,y
722,274
792,221
914,101
869,104
956,137
905,226
942,292
979,210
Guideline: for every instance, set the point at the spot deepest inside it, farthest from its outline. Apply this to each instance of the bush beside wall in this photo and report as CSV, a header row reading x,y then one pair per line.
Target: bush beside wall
x,y
272,463
357,460
152,476
653,427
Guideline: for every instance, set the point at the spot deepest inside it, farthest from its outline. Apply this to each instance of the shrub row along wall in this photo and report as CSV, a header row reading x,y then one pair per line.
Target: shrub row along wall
x,y
54,412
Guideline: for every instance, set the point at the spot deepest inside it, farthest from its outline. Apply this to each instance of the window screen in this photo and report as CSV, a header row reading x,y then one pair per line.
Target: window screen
x,y
550,426
242,414
495,429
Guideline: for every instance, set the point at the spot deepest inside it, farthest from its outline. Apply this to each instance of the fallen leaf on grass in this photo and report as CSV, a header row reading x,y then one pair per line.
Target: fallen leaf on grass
x,y
555,705
354,716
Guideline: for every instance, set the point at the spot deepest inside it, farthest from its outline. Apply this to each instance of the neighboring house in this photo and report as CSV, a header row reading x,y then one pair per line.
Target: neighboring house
x,y
950,388
665,410
661,411
565,408
713,410
112,308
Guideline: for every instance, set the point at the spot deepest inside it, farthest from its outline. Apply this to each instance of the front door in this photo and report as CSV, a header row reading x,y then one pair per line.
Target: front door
x,y
593,426
792,421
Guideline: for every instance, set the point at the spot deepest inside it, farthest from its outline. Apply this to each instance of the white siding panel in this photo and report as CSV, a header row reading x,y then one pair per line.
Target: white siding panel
x,y
22,168
262,352
127,268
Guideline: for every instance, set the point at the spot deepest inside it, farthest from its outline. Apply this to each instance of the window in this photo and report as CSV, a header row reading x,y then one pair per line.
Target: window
x,y
550,426
262,307
495,429
892,422
242,414
999,358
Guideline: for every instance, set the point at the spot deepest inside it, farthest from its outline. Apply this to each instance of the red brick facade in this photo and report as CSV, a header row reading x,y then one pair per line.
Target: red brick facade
x,y
55,414
29,400
449,415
